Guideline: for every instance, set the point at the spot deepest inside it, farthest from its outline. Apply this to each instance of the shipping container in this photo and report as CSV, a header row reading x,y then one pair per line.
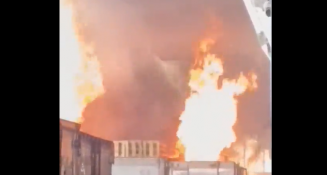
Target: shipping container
x,y
205,168
107,157
260,173
83,154
140,166
139,148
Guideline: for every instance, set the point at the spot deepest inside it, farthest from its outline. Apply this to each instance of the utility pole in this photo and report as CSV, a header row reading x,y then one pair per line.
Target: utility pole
x,y
244,154
264,161
60,157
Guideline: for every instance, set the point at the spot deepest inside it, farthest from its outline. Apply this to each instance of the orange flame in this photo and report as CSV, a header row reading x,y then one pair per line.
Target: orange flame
x,y
210,112
80,77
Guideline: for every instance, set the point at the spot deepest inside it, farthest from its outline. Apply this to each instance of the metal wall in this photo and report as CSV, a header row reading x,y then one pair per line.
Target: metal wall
x,y
83,154
106,158
140,166
66,151
157,166
205,168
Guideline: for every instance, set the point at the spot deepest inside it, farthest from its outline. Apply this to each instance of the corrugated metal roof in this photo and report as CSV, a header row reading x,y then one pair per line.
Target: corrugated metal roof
x,y
76,126
69,124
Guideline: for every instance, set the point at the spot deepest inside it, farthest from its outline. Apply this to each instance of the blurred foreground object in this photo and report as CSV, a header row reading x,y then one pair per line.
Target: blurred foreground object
x,y
260,14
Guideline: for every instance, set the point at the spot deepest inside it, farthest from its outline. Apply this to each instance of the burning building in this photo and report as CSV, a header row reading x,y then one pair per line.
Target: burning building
x,y
126,89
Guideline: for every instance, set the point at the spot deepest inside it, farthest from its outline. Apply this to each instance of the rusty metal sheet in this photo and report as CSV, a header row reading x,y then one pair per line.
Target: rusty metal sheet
x,y
83,154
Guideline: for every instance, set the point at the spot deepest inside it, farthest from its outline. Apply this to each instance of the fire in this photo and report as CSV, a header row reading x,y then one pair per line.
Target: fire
x,y
80,77
210,112
251,155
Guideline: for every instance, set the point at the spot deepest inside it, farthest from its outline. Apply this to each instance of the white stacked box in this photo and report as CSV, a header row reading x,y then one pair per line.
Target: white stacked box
x,y
138,148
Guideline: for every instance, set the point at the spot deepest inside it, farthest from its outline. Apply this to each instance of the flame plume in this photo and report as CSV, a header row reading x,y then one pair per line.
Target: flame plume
x,y
210,112
80,77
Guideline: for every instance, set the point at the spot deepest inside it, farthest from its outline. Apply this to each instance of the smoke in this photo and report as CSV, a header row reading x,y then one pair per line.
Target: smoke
x,y
145,49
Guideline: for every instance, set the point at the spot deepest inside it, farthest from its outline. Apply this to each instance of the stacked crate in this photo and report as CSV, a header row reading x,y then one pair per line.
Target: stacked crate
x,y
138,148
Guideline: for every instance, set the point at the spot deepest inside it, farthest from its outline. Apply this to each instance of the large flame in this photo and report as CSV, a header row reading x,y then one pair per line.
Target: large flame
x,y
80,77
210,112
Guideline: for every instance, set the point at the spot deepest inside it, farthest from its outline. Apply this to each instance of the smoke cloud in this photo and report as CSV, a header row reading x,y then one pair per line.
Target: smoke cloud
x,y
145,49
